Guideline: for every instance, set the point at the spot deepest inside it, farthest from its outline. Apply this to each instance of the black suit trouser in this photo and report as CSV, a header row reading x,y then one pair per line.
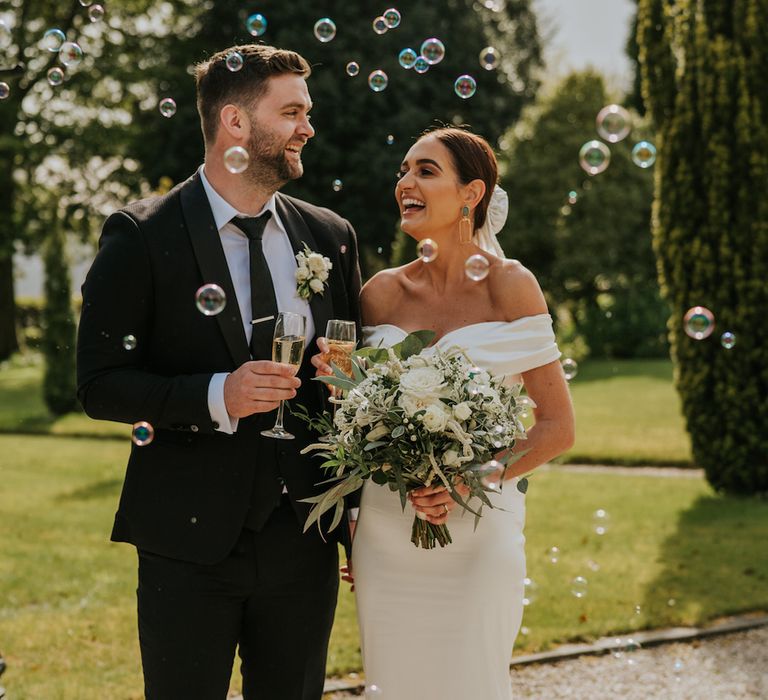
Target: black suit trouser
x,y
274,596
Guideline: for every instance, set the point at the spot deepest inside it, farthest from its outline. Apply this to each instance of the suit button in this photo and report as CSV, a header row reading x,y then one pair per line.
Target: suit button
x,y
193,520
194,428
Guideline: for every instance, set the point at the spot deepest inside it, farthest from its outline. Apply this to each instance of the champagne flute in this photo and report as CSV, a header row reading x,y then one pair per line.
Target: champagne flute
x,y
342,338
287,347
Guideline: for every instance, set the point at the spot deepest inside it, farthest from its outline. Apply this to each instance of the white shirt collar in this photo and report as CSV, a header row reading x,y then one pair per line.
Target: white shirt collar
x,y
223,211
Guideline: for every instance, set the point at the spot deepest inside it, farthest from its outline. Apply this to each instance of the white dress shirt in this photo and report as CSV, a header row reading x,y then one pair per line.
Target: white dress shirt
x,y
282,265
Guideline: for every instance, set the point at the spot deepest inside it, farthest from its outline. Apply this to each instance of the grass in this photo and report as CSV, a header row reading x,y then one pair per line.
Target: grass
x,y
627,412
67,595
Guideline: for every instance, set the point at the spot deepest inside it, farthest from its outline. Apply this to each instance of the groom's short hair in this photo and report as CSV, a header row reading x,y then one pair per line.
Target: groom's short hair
x,y
217,85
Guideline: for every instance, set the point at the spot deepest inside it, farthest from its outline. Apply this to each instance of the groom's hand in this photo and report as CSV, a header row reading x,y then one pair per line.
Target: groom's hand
x,y
258,387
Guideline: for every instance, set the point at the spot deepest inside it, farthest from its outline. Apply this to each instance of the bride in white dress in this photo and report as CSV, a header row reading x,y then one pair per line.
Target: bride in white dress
x,y
440,624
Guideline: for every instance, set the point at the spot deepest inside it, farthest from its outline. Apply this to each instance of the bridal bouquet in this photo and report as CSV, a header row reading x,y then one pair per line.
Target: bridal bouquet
x,y
414,419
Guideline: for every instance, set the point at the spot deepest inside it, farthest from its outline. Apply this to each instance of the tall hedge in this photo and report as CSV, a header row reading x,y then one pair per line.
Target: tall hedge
x,y
705,83
59,389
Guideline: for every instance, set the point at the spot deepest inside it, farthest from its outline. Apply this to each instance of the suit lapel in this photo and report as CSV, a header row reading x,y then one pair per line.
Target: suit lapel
x,y
299,234
209,253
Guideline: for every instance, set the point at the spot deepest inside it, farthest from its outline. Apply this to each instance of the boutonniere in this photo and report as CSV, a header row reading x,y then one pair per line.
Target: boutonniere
x,y
312,273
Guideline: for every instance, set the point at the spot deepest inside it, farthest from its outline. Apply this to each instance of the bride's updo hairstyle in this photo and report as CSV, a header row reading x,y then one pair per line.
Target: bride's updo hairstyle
x,y
473,159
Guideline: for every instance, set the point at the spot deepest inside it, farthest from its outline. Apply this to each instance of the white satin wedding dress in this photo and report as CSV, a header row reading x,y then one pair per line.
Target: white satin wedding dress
x,y
440,624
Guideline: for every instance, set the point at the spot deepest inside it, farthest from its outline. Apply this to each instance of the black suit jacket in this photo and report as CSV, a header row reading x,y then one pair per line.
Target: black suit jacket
x,y
187,493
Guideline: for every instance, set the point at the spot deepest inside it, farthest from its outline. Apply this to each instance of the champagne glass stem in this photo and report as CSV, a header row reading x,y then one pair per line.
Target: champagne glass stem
x,y
278,427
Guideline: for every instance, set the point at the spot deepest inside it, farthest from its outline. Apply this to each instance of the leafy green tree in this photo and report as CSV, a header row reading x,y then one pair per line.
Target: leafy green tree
x,y
705,83
585,237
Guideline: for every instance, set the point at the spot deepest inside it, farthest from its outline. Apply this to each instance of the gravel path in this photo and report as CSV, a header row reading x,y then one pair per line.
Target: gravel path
x,y
730,667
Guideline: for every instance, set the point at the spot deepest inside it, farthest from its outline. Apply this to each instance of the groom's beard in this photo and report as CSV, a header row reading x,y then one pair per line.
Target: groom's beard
x,y
270,166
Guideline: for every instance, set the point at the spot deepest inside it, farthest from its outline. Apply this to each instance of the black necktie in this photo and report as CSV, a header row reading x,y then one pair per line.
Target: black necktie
x,y
263,301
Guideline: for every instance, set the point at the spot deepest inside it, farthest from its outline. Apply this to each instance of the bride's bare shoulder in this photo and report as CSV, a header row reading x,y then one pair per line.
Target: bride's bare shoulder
x,y
515,291
381,292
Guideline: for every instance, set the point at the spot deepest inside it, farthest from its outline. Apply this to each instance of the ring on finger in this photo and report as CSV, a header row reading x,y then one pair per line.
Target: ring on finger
x,y
446,509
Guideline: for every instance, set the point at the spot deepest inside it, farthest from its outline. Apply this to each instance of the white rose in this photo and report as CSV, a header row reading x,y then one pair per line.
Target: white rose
x,y
322,275
462,411
316,262
316,285
435,418
450,457
410,404
302,273
423,382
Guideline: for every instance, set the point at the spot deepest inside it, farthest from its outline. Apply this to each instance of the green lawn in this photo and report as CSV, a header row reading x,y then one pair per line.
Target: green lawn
x,y
67,595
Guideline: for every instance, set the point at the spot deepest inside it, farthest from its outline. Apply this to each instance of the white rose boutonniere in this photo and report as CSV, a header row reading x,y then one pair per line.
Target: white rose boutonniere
x,y
311,273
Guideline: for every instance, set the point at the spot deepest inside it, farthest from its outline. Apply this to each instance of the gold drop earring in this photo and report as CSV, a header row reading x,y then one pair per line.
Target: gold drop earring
x,y
465,227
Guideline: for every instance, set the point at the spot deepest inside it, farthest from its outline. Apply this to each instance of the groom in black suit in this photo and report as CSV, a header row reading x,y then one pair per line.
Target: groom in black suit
x,y
213,507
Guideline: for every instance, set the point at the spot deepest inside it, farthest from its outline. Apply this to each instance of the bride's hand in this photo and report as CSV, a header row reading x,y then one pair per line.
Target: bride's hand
x,y
348,575
434,503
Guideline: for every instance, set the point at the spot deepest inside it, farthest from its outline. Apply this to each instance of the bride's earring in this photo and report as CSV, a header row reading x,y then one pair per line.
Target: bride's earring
x,y
465,227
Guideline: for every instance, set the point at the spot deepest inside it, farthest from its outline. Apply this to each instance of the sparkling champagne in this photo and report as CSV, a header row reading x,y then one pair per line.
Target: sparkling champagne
x,y
288,349
340,354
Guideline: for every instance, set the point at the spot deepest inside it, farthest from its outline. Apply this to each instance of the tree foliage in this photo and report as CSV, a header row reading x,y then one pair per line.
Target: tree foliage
x,y
705,82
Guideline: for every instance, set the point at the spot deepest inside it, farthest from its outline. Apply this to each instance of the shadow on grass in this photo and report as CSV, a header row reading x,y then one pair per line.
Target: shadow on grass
x,y
98,489
715,563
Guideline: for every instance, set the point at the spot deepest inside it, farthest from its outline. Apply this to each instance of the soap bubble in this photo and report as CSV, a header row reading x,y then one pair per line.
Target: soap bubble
x,y
530,592
70,54
433,51
236,159
491,474
210,299
5,90
325,29
613,123
727,340
96,13
380,25
53,39
390,139
579,586
378,80
142,433
465,86
421,65
699,322
167,107
55,76
553,554
600,520
489,58
392,17
407,58
476,267
570,368
234,61
129,342
644,154
594,157
427,250
256,24
353,68
373,691
337,185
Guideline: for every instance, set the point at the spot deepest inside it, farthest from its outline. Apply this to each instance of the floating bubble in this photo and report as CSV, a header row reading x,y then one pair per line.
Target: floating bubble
x,y
476,267
392,17
256,24
525,631
86,3
96,13
489,58
677,667
353,68
373,691
553,554
380,25
644,154
343,249
573,197
699,322
600,520
570,368
465,86
234,61
592,565
70,54
378,80
530,591
407,58
142,433
613,123
53,39
421,65
236,160
433,51
337,185
390,139
325,29
427,250
5,90
579,587
631,646
55,76
526,404
493,5
167,107
594,157
210,299
490,474
129,342
727,340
